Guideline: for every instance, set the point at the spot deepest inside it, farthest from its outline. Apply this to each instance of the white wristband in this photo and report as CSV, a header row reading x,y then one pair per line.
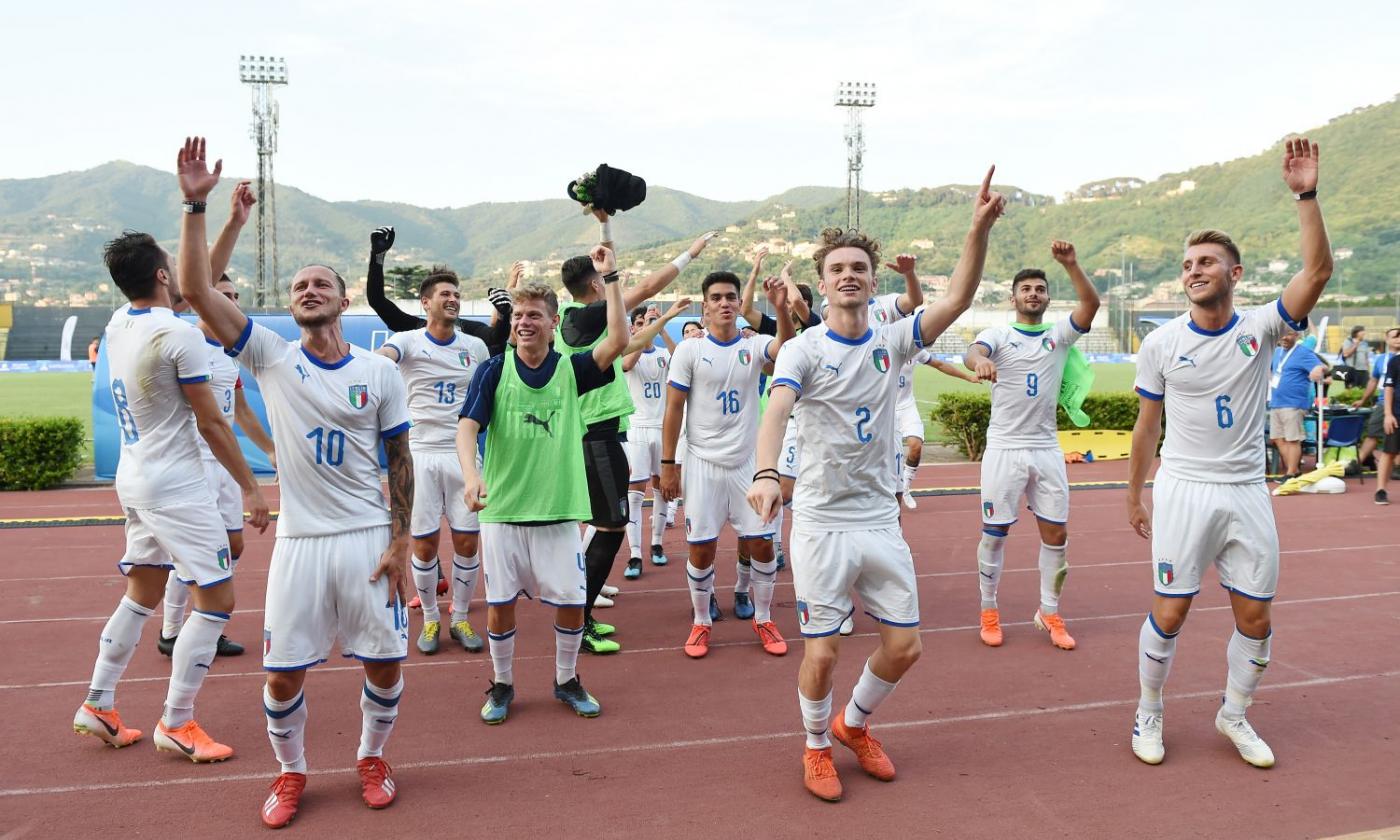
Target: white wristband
x,y
682,261
605,231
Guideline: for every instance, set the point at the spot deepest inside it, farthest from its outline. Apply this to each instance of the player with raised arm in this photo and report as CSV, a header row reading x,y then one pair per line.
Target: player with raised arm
x,y
1210,369
714,392
160,388
606,410
646,378
340,562
532,491
1025,362
437,362
910,423
845,529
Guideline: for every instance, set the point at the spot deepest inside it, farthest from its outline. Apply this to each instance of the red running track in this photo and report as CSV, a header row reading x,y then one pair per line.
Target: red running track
x,y
1021,741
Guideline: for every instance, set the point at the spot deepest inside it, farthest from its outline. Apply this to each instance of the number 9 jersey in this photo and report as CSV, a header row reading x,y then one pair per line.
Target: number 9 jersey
x,y
327,419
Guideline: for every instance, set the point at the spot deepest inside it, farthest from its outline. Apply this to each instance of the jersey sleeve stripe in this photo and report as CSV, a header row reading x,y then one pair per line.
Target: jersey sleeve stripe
x,y
986,345
242,340
767,350
191,380
900,310
791,383
678,386
1288,319
396,431
1146,393
918,332
1076,327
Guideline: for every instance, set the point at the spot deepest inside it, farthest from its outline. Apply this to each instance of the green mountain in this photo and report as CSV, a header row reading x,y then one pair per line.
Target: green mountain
x,y
54,227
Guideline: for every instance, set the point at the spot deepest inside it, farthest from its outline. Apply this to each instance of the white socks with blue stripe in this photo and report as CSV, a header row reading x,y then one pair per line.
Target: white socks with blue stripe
x,y
114,650
702,584
816,720
286,729
1247,658
502,656
195,649
379,708
634,523
1053,569
866,697
1155,652
177,597
991,555
425,578
765,575
566,645
465,572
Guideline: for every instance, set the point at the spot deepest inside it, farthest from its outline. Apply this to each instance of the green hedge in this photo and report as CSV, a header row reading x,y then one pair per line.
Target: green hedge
x,y
965,417
38,452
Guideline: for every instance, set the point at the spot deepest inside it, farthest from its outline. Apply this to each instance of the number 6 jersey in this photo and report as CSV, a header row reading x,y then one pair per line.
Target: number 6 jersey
x,y
327,418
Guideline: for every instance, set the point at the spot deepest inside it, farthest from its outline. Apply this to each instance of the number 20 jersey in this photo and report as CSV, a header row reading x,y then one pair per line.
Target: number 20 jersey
x,y
327,420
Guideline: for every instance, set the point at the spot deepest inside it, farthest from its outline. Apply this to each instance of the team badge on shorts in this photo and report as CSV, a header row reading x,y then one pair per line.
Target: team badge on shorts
x,y
1165,573
745,357
1248,344
1048,344
881,358
222,557
988,510
465,358
803,615
267,641
359,396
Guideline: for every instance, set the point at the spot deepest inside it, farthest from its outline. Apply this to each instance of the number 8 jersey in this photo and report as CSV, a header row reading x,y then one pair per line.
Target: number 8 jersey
x,y
1216,387
327,418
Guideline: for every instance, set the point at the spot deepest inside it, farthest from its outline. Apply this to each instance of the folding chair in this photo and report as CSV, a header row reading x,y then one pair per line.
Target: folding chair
x,y
1345,433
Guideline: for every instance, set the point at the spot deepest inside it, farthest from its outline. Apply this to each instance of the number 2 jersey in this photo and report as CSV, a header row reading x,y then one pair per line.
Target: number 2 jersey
x,y
327,419
1030,366
1216,387
150,354
437,375
721,385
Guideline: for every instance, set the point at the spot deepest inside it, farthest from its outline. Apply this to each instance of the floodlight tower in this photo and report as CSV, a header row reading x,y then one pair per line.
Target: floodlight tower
x,y
854,96
260,73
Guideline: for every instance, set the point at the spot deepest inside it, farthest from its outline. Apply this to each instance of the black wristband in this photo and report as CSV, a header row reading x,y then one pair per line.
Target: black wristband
x,y
195,206
1305,196
667,462
776,478
610,277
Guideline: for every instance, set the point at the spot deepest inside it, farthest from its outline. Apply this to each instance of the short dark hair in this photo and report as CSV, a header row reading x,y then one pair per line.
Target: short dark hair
x,y
577,273
133,260
806,292
1357,330
639,312
1392,331
437,274
1028,274
224,278
714,278
689,324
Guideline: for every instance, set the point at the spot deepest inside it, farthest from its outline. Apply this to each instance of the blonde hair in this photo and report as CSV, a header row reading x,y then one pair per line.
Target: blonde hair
x,y
1215,237
833,238
533,290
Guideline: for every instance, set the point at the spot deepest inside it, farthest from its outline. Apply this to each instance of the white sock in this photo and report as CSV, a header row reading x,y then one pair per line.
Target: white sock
x,y
658,517
745,572
991,554
909,471
465,571
177,597
566,645
671,507
816,720
634,523
114,649
379,708
1053,569
765,574
1155,652
194,652
866,697
1247,659
425,578
286,729
702,583
503,656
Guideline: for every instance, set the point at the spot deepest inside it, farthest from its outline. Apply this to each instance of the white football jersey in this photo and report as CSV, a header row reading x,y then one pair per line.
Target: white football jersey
x,y
846,431
151,353
645,381
904,395
884,309
1030,366
224,382
721,405
327,420
437,376
1216,387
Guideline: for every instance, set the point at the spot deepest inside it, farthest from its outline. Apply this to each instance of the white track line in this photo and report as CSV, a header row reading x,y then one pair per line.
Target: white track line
x,y
482,660
697,743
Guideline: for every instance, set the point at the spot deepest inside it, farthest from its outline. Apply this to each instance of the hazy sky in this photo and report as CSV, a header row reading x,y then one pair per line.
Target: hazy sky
x,y
449,104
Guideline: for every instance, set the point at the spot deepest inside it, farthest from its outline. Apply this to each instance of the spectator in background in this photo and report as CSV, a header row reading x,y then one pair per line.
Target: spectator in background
x,y
1356,352
92,350
1375,423
1295,369
1390,447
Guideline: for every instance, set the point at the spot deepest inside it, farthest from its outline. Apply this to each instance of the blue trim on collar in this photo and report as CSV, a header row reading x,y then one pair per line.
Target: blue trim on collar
x,y
434,340
1029,333
133,311
212,343
327,365
737,337
651,349
851,342
1234,319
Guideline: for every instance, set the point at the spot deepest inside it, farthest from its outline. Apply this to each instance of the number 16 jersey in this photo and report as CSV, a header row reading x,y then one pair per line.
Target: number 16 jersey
x,y
721,384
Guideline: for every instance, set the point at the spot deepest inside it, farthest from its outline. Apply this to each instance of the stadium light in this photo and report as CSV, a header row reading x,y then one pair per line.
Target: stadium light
x,y
854,96
262,69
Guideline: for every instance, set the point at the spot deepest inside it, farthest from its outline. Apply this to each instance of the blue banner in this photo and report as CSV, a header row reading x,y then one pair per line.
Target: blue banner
x,y
46,366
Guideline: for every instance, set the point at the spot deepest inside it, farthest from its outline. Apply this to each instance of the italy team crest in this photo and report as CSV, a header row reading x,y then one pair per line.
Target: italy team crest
x,y
745,357
1248,344
988,510
359,396
882,316
803,614
465,358
1165,575
881,358
222,557
1048,343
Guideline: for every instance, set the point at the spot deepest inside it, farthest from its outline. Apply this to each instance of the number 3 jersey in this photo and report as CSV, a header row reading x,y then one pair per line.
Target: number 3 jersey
x,y
846,426
327,419
151,353
1030,366
437,375
721,385
1216,387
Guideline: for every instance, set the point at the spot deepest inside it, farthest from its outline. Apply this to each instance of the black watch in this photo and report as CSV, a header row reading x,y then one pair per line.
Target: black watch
x,y
1305,196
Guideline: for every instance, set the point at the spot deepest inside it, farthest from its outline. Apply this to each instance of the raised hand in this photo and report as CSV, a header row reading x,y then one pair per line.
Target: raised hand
x,y
759,256
500,299
196,181
903,264
1300,165
699,245
242,202
381,240
653,314
680,306
1063,252
600,214
777,292
989,205
604,261
517,273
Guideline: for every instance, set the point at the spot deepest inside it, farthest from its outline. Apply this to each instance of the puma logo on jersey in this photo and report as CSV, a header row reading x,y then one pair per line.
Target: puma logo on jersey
x,y
1184,359
304,375
707,360
834,368
532,420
